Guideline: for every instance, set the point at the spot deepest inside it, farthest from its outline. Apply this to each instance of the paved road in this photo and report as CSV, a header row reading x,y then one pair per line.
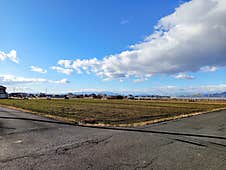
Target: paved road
x,y
26,144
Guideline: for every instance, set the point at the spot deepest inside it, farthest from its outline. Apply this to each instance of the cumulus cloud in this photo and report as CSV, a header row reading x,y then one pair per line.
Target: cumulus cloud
x,y
69,66
209,69
191,38
66,71
183,76
11,56
11,79
62,81
38,69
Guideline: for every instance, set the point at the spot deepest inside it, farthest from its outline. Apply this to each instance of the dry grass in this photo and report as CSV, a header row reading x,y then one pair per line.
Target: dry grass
x,y
113,112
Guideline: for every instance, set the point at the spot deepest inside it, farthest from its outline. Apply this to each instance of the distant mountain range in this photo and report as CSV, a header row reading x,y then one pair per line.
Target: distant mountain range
x,y
222,95
199,95
100,92
212,95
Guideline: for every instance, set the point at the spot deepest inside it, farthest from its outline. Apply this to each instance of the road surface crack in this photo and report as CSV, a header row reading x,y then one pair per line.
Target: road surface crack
x,y
58,150
64,149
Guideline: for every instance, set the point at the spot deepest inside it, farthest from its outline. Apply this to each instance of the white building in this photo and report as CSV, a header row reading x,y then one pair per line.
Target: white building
x,y
3,94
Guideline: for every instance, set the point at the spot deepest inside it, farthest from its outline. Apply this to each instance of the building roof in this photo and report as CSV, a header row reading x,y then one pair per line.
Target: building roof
x,y
2,87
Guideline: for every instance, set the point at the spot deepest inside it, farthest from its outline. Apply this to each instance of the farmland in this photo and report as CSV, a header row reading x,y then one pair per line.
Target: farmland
x,y
113,112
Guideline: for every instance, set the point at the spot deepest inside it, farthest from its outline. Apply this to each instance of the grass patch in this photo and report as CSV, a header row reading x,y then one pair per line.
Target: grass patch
x,y
113,112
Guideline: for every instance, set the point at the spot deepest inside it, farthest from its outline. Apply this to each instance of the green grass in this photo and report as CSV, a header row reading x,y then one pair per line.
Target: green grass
x,y
112,111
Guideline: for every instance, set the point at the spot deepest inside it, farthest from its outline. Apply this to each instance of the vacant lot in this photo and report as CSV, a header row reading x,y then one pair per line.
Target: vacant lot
x,y
112,111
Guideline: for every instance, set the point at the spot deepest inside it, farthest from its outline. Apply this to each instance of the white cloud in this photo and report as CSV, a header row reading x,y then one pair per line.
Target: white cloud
x,y
141,79
191,38
88,65
209,69
11,79
38,69
183,76
11,56
66,71
62,81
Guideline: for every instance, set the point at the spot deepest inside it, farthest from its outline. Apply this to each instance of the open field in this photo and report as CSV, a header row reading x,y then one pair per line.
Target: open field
x,y
113,111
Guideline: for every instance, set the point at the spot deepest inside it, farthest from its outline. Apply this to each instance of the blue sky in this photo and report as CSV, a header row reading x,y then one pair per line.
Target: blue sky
x,y
49,34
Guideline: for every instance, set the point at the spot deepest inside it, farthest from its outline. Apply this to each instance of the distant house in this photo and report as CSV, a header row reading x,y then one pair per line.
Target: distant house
x,y
152,97
116,97
18,95
3,94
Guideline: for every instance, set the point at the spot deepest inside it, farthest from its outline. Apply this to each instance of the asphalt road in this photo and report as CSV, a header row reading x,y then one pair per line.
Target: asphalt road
x,y
27,144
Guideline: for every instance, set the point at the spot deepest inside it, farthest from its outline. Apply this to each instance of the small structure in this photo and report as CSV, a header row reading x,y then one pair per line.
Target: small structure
x,y
3,94
18,95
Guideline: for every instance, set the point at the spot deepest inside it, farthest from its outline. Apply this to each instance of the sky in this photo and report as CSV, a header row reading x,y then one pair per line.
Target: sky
x,y
157,47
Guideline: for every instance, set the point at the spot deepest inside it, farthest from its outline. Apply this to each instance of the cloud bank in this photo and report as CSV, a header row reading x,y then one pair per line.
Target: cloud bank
x,y
11,79
191,39
178,90
160,90
11,56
